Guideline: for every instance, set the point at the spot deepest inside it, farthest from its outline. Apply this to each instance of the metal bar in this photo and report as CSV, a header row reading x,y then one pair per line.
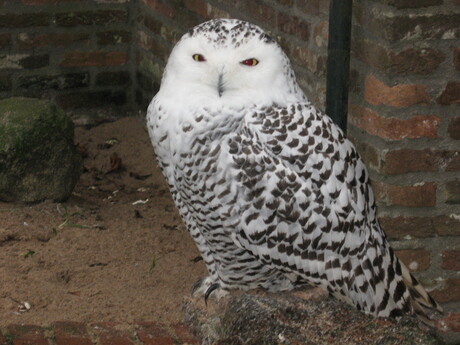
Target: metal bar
x,y
338,61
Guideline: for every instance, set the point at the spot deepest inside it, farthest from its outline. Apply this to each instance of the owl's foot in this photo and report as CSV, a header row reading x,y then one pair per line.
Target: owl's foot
x,y
209,291
201,286
206,286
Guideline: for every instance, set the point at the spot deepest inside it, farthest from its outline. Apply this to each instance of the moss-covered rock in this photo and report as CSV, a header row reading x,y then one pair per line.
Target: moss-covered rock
x,y
38,159
296,318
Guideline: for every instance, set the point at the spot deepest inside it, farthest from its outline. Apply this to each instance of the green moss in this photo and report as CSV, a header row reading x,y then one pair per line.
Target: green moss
x,y
26,121
38,159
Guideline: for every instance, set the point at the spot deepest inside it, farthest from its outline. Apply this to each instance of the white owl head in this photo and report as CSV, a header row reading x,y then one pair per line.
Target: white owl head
x,y
229,62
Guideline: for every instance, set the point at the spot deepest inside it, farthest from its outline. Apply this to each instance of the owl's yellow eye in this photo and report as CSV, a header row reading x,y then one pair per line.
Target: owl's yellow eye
x,y
198,57
250,62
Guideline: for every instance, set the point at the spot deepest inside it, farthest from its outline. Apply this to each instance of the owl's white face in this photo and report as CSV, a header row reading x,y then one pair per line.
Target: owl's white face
x,y
229,62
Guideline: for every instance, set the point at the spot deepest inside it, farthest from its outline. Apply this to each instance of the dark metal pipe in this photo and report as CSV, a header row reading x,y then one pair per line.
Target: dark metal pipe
x,y
338,61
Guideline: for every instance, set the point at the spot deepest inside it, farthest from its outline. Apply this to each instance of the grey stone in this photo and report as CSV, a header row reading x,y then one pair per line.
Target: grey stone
x,y
38,158
289,318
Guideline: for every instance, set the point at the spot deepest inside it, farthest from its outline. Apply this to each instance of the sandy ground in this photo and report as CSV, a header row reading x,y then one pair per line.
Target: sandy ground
x,y
115,251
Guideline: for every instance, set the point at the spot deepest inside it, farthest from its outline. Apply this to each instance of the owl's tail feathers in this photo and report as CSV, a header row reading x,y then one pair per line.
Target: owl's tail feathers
x,y
422,303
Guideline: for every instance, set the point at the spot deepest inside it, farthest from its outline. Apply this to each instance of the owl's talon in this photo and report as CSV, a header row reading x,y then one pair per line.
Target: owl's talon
x,y
208,292
197,286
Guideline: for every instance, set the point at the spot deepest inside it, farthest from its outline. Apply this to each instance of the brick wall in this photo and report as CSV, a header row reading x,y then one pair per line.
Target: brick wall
x,y
77,53
404,118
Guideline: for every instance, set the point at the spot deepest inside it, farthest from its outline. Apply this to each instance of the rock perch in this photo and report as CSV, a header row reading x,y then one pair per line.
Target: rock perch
x,y
38,158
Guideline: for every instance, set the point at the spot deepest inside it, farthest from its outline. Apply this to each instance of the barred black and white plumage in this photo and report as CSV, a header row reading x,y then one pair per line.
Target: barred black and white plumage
x,y
269,188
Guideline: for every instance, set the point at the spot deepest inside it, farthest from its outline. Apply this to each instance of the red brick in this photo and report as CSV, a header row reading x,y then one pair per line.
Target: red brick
x,y
90,99
311,60
170,34
216,12
198,6
293,26
5,40
27,335
452,322
454,128
24,20
418,126
26,61
451,94
71,333
153,43
447,225
144,40
401,95
406,62
145,82
457,58
109,334
113,37
449,293
111,1
35,61
257,11
98,58
287,3
422,195
359,14
370,52
453,163
31,40
415,61
453,192
400,227
161,7
2,338
321,34
118,78
417,27
412,4
407,160
415,259
6,83
451,260
183,334
45,2
100,17
310,7
152,24
152,333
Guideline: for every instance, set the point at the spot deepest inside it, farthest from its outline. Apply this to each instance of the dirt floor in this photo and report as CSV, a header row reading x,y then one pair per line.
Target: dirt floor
x,y
115,251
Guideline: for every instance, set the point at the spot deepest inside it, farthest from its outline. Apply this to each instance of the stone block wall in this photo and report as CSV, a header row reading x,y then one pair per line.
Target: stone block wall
x,y
77,53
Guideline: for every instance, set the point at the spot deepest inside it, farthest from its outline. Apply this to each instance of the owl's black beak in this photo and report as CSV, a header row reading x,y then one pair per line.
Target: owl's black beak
x,y
220,85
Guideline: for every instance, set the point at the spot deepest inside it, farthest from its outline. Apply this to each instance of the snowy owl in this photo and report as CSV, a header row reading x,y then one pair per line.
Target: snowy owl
x,y
269,188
